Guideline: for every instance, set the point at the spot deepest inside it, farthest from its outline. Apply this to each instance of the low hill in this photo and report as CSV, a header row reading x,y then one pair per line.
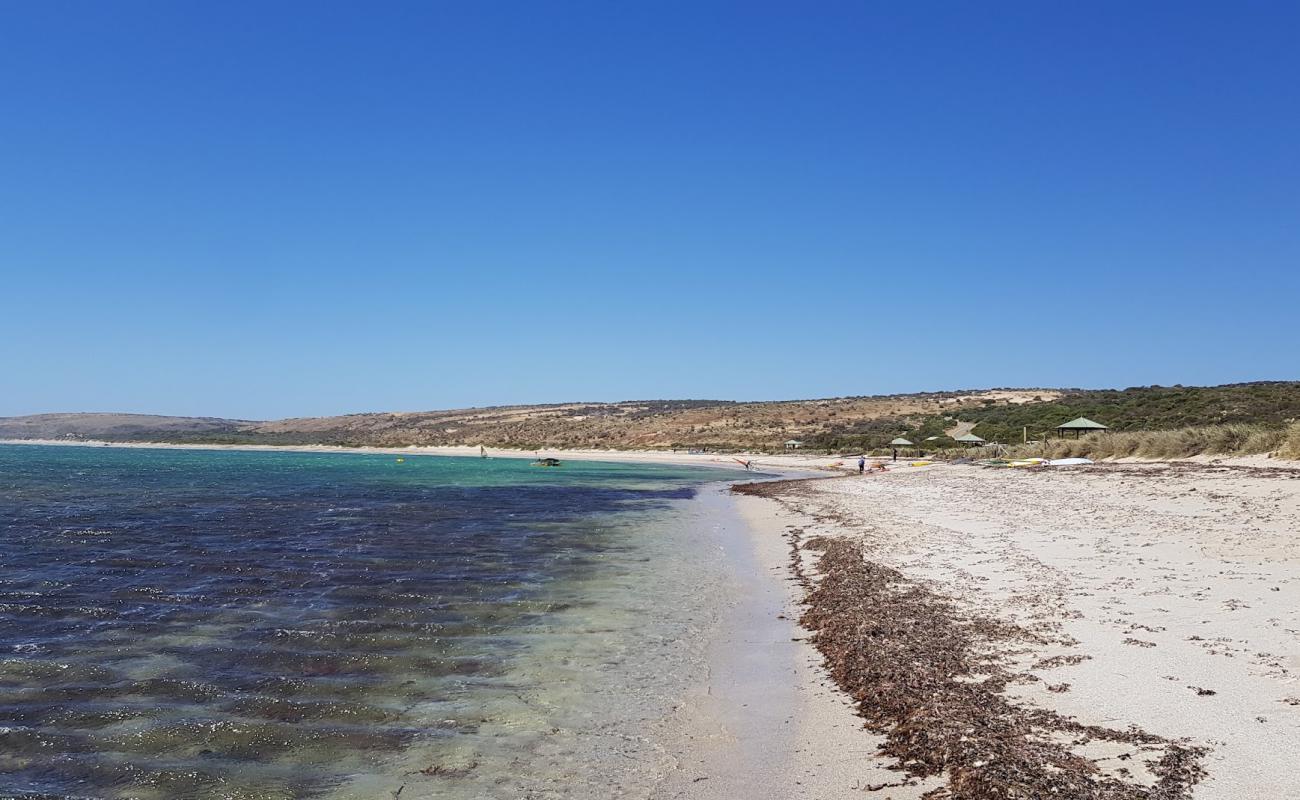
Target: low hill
x,y
636,424
715,424
98,425
838,424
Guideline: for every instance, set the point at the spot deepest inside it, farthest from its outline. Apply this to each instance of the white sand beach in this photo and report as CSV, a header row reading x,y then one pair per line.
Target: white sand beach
x,y
1175,588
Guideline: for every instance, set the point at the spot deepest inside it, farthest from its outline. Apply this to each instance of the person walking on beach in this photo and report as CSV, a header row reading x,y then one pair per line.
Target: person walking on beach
x,y
862,464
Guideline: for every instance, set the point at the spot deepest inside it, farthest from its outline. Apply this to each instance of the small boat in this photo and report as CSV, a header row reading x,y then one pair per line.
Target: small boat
x,y
547,462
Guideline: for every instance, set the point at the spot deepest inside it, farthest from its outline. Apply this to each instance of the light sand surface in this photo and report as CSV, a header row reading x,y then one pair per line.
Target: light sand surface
x,y
1181,585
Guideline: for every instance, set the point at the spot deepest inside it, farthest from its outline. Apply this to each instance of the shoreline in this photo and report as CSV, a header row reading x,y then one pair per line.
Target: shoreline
x,y
784,463
793,463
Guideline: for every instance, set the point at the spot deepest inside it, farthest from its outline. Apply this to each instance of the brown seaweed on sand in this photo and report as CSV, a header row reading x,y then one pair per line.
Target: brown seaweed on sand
x,y
928,678
1062,661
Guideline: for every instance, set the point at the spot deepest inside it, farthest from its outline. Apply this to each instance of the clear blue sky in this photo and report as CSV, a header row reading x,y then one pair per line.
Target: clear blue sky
x,y
299,208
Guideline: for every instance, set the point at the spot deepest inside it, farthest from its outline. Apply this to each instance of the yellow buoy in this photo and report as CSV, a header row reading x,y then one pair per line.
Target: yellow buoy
x,y
400,460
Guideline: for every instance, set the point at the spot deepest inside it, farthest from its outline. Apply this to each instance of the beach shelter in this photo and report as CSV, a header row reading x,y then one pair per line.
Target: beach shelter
x,y
1080,426
970,438
793,444
897,443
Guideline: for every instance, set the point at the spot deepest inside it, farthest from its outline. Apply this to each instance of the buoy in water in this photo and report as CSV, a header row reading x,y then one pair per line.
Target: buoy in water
x,y
401,460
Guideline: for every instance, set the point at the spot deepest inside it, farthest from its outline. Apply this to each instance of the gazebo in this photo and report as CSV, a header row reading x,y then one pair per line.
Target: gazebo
x,y
1080,426
897,443
970,438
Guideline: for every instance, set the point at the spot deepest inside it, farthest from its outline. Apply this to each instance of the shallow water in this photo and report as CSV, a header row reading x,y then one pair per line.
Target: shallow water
x,y
278,625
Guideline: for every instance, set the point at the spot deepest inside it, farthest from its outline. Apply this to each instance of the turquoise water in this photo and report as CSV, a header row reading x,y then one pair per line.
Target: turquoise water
x,y
190,623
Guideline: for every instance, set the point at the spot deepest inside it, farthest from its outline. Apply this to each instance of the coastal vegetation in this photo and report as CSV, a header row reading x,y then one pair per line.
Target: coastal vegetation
x,y
1147,422
1143,408
1208,440
1291,445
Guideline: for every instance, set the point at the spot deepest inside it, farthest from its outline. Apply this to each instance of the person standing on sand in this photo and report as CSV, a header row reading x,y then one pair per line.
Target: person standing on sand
x,y
862,464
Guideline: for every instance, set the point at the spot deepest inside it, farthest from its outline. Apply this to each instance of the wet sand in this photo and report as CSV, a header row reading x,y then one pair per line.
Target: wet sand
x,y
767,722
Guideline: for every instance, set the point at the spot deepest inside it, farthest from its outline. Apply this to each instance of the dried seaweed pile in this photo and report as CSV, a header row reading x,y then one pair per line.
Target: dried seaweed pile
x,y
927,677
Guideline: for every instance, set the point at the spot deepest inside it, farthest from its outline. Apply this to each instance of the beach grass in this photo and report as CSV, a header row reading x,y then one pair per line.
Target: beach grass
x,y
1236,439
1291,444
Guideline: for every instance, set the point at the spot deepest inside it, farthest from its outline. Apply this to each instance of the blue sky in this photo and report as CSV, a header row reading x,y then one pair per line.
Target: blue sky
x,y
297,208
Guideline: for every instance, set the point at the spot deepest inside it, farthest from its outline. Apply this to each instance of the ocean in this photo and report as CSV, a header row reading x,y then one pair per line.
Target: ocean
x,y
250,624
